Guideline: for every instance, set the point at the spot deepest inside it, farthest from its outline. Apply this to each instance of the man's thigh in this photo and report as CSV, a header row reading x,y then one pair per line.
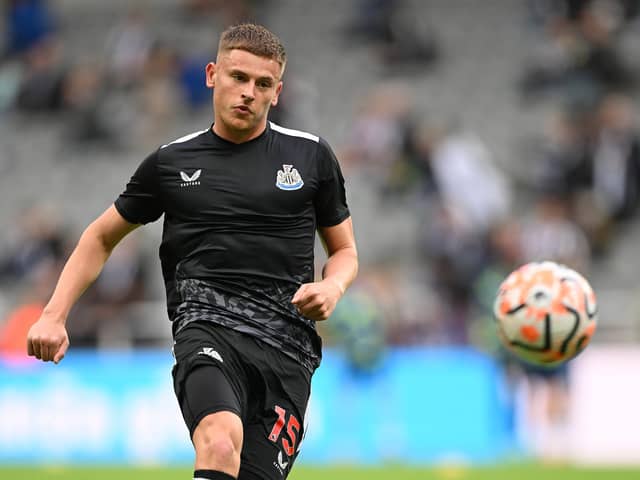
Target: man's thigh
x,y
206,376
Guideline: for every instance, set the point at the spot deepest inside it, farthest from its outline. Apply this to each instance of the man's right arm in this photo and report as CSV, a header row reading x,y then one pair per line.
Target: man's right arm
x,y
47,339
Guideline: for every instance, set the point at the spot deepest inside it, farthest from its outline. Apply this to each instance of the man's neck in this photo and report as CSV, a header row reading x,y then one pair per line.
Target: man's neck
x,y
237,136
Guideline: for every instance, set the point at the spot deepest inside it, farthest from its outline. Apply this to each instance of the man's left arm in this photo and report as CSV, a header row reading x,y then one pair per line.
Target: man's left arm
x,y
317,300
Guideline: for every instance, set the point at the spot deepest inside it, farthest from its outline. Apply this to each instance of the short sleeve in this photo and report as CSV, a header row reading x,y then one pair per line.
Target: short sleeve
x,y
140,203
330,202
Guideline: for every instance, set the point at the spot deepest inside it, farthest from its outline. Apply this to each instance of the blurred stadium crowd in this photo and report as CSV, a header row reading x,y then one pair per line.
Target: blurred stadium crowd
x,y
475,136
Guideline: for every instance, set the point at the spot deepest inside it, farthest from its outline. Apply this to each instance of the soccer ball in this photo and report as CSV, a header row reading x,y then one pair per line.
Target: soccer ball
x,y
546,313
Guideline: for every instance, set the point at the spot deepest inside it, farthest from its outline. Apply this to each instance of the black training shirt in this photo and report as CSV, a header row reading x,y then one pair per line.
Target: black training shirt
x,y
239,228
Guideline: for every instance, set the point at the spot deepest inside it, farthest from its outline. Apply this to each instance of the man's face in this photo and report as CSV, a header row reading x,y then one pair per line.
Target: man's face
x,y
245,87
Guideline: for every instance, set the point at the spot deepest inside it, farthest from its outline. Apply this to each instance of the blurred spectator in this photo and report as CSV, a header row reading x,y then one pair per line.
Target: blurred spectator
x,y
593,158
371,20
191,79
160,97
581,160
378,134
471,187
544,422
611,190
39,245
28,22
14,329
411,42
298,102
357,326
42,83
456,255
420,142
616,158
408,310
558,159
551,58
29,267
578,56
504,254
471,196
15,326
603,63
392,26
84,94
102,317
550,234
128,46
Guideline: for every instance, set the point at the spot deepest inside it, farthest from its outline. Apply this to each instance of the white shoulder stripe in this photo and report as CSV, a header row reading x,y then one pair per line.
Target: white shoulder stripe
x,y
294,133
185,138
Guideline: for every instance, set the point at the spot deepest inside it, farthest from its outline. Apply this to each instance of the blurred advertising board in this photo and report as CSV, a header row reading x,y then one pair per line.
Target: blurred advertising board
x,y
604,411
419,406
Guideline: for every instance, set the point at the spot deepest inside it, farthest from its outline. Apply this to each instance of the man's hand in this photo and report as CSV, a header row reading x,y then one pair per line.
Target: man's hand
x,y
47,340
317,300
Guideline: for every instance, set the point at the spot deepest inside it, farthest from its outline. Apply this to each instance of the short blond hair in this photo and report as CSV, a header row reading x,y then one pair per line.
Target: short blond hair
x,y
254,39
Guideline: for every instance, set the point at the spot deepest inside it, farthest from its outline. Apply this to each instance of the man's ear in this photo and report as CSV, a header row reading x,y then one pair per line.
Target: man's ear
x,y
210,74
274,101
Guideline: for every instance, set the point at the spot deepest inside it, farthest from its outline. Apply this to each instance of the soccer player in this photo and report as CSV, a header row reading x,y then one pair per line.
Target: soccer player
x,y
242,201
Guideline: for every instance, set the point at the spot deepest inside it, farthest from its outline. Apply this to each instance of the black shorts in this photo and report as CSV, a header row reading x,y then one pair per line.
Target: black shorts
x,y
219,369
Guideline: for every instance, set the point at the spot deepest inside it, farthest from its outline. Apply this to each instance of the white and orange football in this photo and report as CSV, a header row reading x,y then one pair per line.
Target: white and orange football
x,y
546,313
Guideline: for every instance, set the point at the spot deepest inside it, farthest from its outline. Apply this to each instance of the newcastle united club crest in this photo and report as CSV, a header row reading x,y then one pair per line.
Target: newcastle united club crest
x,y
288,178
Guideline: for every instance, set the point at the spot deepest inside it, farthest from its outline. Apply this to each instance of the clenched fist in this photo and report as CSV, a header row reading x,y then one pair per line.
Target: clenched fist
x,y
317,300
47,340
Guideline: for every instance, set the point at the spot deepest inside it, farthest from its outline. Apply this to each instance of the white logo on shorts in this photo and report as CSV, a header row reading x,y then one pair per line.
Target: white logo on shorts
x,y
210,352
280,464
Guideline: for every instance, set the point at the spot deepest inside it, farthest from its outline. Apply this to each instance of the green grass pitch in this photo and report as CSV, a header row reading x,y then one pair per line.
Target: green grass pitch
x,y
516,472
